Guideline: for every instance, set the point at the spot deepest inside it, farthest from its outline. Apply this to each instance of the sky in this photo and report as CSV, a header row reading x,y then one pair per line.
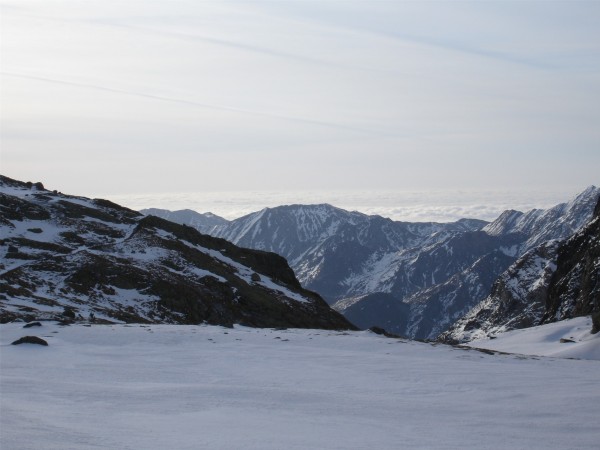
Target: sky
x,y
140,99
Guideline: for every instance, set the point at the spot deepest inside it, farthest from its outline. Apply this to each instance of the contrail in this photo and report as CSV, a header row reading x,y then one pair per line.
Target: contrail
x,y
197,104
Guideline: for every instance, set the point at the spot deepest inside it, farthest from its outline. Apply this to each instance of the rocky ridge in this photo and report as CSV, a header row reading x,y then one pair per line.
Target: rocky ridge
x,y
556,280
69,257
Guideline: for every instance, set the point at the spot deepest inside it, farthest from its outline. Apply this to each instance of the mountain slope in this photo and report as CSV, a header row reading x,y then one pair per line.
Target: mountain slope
x,y
367,265
436,285
575,285
517,298
553,281
75,256
336,252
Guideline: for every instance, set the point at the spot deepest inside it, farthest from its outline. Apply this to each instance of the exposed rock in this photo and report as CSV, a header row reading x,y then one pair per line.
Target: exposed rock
x,y
382,332
575,285
108,259
32,324
30,340
596,322
554,281
517,298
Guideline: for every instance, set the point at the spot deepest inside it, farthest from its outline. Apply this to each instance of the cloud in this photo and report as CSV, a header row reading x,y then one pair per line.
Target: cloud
x,y
190,96
192,103
410,206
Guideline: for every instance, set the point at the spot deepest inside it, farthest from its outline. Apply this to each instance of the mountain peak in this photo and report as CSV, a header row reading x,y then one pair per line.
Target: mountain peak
x,y
506,221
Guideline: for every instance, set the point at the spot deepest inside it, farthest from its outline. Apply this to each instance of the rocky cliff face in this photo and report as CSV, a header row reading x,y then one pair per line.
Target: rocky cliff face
x,y
517,298
575,285
554,281
71,256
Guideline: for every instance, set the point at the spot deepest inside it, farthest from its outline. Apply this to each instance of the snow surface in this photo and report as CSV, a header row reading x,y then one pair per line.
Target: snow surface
x,y
544,340
191,387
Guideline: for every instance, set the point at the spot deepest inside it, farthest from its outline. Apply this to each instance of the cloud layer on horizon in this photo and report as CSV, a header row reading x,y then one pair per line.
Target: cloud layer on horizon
x,y
410,206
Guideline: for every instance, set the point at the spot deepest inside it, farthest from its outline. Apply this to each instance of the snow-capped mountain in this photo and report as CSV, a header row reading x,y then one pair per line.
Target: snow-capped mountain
x,y
553,281
366,265
336,252
414,279
72,256
203,222
542,225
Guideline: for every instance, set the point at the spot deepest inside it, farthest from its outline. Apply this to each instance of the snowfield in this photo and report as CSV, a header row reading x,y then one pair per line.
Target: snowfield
x,y
206,387
544,340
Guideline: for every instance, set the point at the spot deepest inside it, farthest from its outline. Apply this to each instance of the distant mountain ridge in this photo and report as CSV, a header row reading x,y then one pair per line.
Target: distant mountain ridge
x,y
67,256
203,222
542,225
336,252
414,279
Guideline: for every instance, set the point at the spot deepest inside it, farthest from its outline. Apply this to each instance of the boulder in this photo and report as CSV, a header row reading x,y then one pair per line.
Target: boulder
x,y
30,340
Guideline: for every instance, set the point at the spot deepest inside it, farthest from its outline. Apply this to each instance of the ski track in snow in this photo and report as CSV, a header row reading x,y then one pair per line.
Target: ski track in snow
x,y
190,387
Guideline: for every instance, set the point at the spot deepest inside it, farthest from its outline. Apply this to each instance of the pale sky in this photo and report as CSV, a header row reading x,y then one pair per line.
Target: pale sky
x,y
134,97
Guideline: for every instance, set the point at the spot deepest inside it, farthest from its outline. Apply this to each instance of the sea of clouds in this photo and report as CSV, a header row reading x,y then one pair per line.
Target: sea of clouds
x,y
404,205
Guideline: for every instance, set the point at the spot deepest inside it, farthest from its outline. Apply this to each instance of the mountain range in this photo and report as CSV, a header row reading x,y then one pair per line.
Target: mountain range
x,y
413,279
72,257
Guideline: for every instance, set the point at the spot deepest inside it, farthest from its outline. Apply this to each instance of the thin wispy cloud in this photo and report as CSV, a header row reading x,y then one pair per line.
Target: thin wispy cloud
x,y
261,96
409,206
192,103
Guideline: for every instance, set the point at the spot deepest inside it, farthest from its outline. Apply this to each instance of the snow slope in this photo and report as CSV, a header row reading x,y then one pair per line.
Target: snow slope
x,y
544,340
191,387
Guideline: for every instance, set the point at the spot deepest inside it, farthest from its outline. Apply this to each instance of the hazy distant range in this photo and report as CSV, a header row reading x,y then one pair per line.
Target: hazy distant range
x,y
406,205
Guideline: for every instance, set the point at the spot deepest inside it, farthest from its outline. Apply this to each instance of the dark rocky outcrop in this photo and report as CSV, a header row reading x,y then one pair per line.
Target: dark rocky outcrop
x,y
93,256
30,340
596,322
574,289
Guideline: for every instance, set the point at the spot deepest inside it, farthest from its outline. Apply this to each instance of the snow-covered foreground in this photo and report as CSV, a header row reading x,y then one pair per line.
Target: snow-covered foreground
x,y
545,340
202,387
